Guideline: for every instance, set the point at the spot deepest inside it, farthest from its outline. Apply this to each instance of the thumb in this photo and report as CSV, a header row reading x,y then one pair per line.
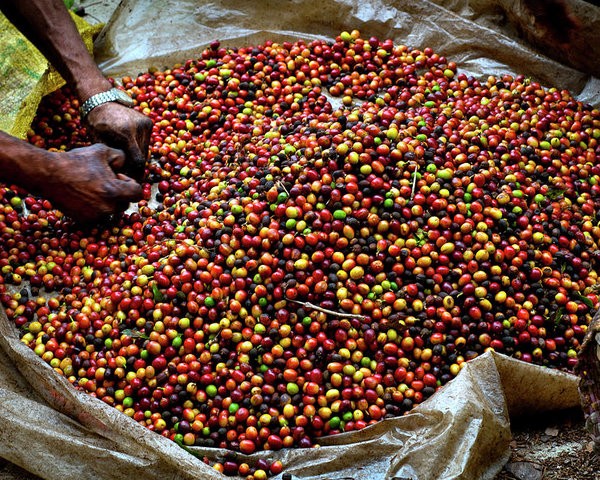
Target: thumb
x,y
137,160
115,159
125,189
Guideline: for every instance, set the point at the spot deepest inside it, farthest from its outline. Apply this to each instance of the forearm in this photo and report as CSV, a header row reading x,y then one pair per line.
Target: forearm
x,y
22,164
48,25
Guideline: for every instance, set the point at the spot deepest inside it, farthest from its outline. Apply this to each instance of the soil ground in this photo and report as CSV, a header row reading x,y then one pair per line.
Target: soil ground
x,y
557,448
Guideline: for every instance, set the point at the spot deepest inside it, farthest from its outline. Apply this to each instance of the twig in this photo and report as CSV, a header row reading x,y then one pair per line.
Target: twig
x,y
280,184
215,338
325,310
414,185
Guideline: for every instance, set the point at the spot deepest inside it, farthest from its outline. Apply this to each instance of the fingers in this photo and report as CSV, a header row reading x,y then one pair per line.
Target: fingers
x,y
119,193
116,159
131,190
113,157
131,161
144,129
137,149
124,189
136,160
85,187
126,129
119,189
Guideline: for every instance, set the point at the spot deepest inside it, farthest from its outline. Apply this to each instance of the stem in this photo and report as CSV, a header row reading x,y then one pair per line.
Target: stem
x,y
414,185
280,184
325,310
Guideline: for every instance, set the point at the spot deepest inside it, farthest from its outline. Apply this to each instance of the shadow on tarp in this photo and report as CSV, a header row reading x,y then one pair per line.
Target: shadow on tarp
x,y
462,432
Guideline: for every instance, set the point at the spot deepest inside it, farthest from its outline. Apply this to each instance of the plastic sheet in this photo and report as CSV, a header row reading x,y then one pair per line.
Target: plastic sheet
x,y
462,432
476,34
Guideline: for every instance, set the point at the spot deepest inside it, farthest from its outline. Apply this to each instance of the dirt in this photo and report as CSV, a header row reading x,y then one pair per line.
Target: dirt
x,y
8,471
556,448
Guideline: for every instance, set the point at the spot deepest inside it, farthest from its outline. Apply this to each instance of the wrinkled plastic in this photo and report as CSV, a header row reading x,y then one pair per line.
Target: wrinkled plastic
x,y
462,432
476,34
588,369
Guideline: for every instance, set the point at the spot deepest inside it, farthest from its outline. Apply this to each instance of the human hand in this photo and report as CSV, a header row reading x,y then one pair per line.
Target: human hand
x,y
83,184
128,130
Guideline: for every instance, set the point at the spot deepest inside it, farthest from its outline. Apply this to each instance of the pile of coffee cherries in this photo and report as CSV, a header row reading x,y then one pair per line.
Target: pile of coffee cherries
x,y
330,230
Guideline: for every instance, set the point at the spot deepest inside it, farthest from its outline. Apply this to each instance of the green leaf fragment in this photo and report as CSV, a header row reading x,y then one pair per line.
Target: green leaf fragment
x,y
158,295
585,300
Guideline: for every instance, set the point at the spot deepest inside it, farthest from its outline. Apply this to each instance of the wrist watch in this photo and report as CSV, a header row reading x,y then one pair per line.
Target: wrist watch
x,y
112,95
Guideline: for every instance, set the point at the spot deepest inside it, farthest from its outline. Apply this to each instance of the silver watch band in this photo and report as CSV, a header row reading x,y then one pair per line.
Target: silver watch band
x,y
112,95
